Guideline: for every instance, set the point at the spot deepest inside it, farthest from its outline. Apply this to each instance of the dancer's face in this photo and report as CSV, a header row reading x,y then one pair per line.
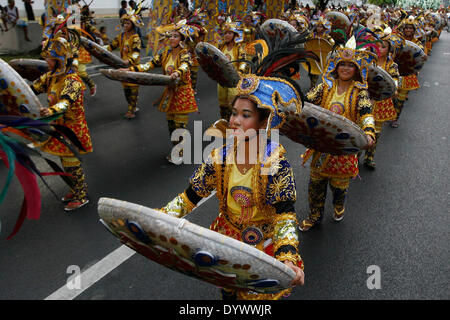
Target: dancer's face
x,y
319,29
51,63
245,116
383,49
346,71
127,25
175,39
228,36
408,30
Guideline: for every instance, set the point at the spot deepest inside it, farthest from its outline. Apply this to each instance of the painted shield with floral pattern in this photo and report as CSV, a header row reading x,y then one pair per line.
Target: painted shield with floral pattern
x,y
278,28
410,59
323,130
339,21
16,96
193,250
216,65
30,69
141,78
381,84
102,54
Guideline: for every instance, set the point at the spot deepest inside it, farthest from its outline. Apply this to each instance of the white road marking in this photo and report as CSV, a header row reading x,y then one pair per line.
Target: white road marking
x,y
93,274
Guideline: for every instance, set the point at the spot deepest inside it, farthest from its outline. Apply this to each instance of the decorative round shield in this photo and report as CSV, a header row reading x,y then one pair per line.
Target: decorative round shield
x,y
338,21
274,27
102,54
141,78
30,69
410,59
216,65
193,250
16,97
381,84
323,130
321,47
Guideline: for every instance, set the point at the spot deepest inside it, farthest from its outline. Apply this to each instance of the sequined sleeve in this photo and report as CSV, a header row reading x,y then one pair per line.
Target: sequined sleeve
x,y
154,63
281,193
203,180
315,95
40,85
185,63
114,44
365,119
135,47
72,89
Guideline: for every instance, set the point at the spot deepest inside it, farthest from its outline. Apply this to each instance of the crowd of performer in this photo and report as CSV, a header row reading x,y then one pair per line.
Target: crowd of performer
x,y
255,208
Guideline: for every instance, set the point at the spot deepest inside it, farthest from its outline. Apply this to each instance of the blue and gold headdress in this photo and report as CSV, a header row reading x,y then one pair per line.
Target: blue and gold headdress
x,y
272,93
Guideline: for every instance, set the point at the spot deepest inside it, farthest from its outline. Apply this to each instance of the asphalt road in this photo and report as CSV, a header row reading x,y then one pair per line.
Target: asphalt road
x,y
397,216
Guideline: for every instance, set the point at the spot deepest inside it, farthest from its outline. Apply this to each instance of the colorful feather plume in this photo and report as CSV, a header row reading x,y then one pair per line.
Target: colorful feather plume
x,y
17,157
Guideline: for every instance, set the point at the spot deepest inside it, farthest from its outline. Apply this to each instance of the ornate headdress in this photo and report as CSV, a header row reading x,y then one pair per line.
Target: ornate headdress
x,y
233,26
302,22
385,33
350,53
58,49
322,21
133,16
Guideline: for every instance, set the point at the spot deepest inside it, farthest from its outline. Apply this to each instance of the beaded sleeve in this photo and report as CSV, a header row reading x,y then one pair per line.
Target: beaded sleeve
x,y
281,193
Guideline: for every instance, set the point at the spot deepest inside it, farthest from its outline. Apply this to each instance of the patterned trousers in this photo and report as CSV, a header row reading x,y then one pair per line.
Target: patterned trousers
x,y
72,166
177,121
131,94
317,194
370,153
400,101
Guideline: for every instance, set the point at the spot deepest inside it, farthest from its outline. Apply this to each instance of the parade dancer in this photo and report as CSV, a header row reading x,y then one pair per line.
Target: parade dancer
x,y
84,57
408,29
255,207
343,91
64,90
320,30
177,100
231,47
129,45
383,110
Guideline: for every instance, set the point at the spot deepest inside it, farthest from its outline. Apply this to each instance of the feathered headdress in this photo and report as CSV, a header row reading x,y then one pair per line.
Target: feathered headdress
x,y
133,16
17,157
269,84
359,50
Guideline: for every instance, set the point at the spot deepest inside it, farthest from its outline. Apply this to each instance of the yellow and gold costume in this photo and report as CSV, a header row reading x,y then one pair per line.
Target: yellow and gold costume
x,y
254,207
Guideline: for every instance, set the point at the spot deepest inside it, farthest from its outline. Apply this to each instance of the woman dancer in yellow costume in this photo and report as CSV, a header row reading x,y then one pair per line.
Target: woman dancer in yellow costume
x,y
231,47
177,100
343,91
383,110
408,29
64,90
256,192
129,45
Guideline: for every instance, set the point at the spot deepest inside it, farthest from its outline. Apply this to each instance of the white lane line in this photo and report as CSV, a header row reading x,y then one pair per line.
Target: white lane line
x,y
93,274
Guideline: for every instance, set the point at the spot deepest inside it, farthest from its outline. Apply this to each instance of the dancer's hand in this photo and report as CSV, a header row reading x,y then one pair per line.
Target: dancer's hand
x,y
299,279
174,75
44,112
